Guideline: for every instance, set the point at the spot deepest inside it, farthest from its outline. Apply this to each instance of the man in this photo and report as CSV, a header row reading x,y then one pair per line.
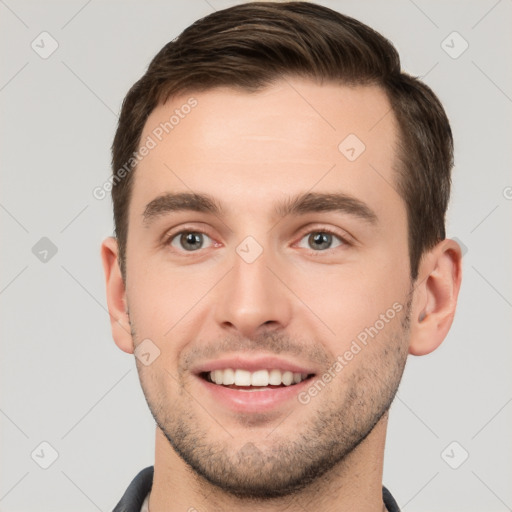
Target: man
x,y
279,192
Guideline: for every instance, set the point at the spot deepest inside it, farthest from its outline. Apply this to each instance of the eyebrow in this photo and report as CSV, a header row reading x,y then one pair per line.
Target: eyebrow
x,y
318,202
297,205
184,201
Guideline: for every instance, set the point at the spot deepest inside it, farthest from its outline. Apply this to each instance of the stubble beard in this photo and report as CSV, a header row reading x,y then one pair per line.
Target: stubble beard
x,y
319,435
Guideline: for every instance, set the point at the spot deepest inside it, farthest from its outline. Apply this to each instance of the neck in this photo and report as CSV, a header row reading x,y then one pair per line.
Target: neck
x,y
353,484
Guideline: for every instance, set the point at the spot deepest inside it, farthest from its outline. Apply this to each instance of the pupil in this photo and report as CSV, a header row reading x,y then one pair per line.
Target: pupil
x,y
322,239
191,240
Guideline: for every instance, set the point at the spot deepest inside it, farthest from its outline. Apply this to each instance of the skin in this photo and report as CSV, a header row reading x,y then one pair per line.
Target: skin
x,y
304,303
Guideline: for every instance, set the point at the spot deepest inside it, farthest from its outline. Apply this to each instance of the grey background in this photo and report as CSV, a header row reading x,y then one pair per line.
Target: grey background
x,y
62,378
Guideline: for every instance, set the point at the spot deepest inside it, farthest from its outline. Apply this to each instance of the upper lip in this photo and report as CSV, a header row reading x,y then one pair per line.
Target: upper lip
x,y
252,364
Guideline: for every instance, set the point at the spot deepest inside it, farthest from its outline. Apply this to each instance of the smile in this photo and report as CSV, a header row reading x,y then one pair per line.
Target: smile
x,y
258,380
256,384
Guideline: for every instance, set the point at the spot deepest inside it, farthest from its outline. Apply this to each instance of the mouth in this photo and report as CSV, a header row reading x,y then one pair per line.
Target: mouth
x,y
258,380
254,391
262,383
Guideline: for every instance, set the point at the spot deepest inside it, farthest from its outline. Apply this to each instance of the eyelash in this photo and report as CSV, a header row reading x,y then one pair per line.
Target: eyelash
x,y
342,239
168,240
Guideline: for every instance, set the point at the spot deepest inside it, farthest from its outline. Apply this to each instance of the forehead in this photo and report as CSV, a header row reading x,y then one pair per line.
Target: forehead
x,y
293,136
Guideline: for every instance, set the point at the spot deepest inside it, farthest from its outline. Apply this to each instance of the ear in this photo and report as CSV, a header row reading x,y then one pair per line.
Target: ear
x,y
435,297
116,296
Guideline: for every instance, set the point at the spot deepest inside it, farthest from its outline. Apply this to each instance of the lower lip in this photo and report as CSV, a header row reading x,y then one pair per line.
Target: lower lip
x,y
254,401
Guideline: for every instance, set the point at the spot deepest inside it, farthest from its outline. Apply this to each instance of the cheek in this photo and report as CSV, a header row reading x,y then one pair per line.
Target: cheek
x,y
159,301
349,300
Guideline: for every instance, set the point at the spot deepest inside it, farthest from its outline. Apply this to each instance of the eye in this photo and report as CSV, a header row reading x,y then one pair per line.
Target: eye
x,y
189,241
321,240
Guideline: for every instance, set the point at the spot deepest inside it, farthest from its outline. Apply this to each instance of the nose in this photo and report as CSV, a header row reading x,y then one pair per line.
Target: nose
x,y
252,297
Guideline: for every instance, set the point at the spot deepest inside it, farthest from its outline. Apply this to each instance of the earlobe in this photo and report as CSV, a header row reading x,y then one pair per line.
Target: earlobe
x,y
435,297
116,296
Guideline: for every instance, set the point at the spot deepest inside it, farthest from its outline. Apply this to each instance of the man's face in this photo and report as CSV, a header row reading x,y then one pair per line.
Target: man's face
x,y
246,288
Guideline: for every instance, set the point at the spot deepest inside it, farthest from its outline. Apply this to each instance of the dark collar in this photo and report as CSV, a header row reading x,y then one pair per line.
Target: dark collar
x,y
140,486
137,491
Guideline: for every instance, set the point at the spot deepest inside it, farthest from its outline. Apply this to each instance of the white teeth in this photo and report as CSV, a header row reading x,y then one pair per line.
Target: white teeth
x,y
274,377
229,377
287,378
259,378
218,376
242,378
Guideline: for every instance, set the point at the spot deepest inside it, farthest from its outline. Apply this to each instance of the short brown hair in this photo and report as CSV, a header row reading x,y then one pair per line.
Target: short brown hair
x,y
252,45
